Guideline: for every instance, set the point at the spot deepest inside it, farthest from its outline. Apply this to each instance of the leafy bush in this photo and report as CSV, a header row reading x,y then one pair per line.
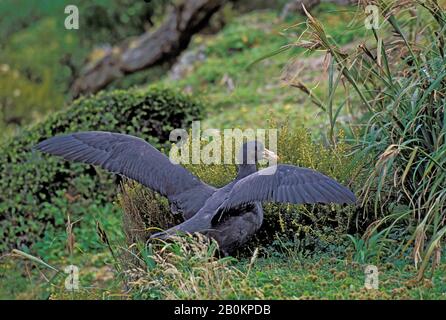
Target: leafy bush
x,y
31,183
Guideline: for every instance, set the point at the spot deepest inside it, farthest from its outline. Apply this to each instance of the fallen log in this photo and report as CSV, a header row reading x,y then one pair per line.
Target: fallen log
x,y
151,48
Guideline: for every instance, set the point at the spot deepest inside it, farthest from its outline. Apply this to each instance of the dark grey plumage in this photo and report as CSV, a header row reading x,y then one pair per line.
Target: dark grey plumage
x,y
136,159
287,183
231,214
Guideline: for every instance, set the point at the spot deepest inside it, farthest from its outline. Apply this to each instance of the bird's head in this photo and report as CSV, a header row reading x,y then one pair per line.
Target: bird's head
x,y
254,151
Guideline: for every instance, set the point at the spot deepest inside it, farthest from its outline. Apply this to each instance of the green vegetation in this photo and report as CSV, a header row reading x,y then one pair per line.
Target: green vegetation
x,y
39,58
402,147
193,272
259,92
188,269
373,101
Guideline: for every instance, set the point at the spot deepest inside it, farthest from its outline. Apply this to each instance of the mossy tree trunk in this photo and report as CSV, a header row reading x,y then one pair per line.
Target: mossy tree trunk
x,y
185,19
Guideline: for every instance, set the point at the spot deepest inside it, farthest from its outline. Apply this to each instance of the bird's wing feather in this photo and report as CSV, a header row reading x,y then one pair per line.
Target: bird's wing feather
x,y
287,184
136,159
282,183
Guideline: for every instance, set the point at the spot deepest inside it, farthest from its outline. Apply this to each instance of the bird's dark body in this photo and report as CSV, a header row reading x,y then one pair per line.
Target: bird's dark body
x,y
234,231
231,214
231,230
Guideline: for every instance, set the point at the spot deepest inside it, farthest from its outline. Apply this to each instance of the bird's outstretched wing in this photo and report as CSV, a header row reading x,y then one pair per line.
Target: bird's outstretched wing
x,y
287,184
136,159
282,183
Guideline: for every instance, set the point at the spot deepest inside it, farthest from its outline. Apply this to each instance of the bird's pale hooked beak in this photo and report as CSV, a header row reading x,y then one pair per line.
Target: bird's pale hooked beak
x,y
269,155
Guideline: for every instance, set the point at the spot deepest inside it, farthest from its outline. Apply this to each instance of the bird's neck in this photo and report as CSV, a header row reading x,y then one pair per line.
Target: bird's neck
x,y
245,170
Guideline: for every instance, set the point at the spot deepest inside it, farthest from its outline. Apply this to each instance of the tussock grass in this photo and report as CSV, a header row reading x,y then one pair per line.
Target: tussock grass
x,y
398,84
144,212
185,268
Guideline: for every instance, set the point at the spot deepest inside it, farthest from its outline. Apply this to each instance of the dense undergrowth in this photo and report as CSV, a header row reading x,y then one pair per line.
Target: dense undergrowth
x,y
377,123
189,269
399,84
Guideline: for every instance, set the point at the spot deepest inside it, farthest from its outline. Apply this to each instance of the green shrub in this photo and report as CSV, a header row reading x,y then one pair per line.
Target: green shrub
x,y
31,182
